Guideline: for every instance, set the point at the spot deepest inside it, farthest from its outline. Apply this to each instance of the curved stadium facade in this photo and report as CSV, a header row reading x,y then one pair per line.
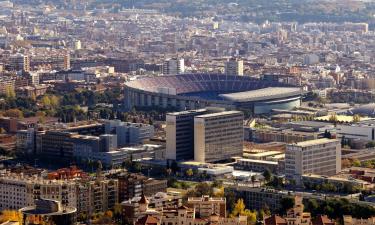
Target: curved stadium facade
x,y
193,91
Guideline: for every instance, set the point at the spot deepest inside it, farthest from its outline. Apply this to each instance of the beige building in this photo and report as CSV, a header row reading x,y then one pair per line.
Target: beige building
x,y
349,220
88,196
206,206
320,156
218,136
296,216
234,67
180,215
18,191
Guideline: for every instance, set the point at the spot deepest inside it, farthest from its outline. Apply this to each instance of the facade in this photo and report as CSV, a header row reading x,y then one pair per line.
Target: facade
x,y
218,136
258,165
173,66
48,211
88,196
349,220
178,215
25,141
234,67
17,191
129,133
180,134
297,216
133,185
364,131
287,136
19,62
320,156
96,195
206,206
258,198
57,144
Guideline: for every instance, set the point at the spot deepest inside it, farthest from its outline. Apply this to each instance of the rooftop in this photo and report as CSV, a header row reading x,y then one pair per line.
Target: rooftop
x,y
262,94
314,142
225,113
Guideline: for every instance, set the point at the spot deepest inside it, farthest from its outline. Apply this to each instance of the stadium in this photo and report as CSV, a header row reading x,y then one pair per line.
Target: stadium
x,y
193,91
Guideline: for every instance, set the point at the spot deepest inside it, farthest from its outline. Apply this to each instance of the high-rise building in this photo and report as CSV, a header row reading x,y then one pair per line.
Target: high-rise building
x,y
234,67
320,156
173,66
180,134
218,136
19,62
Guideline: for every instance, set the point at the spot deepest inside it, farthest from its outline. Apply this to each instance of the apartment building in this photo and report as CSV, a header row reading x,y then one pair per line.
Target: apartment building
x,y
218,136
173,66
234,67
206,206
320,156
134,185
349,220
18,191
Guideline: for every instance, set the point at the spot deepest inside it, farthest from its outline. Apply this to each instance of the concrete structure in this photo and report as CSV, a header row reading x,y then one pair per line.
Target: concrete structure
x,y
206,206
321,157
363,130
287,136
195,91
234,67
25,141
218,136
258,165
19,62
180,134
297,216
173,66
257,198
49,210
349,220
18,191
129,133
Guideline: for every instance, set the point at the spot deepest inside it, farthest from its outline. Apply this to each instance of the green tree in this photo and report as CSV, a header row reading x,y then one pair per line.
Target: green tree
x,y
267,175
286,203
189,173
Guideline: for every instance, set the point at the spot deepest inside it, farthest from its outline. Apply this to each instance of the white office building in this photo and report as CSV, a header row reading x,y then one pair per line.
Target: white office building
x,y
320,156
218,136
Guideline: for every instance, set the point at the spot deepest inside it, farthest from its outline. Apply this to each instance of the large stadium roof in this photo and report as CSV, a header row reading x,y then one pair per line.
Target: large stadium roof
x,y
262,94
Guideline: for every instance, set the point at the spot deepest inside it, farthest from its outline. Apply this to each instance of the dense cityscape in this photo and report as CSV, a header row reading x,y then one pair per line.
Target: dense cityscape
x,y
204,112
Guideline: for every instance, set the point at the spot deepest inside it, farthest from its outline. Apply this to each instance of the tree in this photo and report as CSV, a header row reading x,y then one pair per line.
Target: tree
x,y
267,175
10,215
356,163
14,113
10,93
239,208
253,179
46,101
286,203
189,173
356,118
370,144
251,216
333,118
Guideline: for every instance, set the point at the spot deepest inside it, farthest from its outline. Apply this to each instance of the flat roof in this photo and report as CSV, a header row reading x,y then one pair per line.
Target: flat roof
x,y
218,114
262,94
314,142
266,153
258,161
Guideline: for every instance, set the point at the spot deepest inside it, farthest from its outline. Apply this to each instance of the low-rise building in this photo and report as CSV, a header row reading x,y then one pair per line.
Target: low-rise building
x,y
206,206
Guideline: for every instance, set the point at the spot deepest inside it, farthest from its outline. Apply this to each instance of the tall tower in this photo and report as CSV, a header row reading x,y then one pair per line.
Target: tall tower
x,y
173,66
